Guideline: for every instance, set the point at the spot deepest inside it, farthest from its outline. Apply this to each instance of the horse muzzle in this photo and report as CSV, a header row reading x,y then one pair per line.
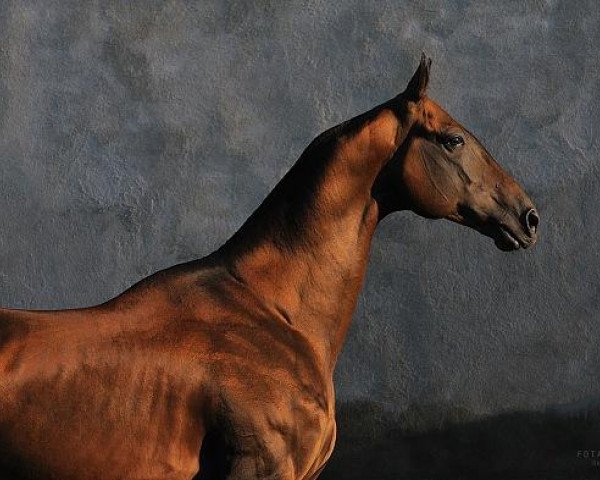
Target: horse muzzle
x,y
513,235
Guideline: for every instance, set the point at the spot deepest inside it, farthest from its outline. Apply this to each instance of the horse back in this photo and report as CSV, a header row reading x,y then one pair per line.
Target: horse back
x,y
14,328
71,380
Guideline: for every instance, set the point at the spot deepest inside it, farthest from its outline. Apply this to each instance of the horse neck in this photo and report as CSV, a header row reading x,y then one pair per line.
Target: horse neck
x,y
304,251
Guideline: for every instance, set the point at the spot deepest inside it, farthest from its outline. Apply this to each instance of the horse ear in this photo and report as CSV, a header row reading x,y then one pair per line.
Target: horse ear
x,y
417,87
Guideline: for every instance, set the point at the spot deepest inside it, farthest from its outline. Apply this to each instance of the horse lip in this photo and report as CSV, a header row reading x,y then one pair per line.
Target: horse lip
x,y
503,235
517,241
509,237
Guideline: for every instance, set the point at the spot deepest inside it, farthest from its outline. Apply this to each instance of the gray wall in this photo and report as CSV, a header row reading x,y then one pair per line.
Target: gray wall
x,y
136,135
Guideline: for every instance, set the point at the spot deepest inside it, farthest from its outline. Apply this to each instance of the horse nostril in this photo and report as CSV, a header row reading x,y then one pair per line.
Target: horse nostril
x,y
532,220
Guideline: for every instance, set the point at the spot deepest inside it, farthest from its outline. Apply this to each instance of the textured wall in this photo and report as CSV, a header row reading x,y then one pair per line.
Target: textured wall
x,y
135,135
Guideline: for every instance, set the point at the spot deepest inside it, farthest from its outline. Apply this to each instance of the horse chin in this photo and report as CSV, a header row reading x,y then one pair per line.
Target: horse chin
x,y
505,240
504,237
506,246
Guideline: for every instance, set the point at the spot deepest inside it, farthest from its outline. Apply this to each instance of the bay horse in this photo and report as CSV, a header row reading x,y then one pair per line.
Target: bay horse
x,y
222,367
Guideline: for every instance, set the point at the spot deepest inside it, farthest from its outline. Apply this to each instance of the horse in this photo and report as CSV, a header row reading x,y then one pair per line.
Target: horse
x,y
222,367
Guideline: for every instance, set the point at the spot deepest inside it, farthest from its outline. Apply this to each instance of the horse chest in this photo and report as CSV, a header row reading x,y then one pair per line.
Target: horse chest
x,y
277,440
278,421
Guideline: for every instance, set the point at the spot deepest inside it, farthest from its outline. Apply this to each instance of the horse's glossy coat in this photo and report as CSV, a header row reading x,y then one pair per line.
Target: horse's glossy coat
x,y
235,353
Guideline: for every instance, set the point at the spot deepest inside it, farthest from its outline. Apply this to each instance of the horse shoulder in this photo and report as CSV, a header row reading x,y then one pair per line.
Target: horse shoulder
x,y
269,387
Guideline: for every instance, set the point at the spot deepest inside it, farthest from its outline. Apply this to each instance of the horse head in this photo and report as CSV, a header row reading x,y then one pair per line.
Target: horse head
x,y
441,170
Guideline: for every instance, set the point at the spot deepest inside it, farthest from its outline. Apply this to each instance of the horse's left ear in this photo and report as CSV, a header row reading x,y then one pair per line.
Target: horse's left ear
x,y
417,87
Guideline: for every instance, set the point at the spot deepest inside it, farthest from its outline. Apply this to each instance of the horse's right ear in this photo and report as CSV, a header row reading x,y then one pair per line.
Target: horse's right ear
x,y
417,87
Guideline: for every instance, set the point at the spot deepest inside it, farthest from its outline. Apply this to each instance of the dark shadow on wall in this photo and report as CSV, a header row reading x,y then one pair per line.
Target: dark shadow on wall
x,y
560,443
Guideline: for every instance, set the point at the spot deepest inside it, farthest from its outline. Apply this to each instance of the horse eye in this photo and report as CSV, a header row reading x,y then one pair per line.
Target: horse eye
x,y
452,142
